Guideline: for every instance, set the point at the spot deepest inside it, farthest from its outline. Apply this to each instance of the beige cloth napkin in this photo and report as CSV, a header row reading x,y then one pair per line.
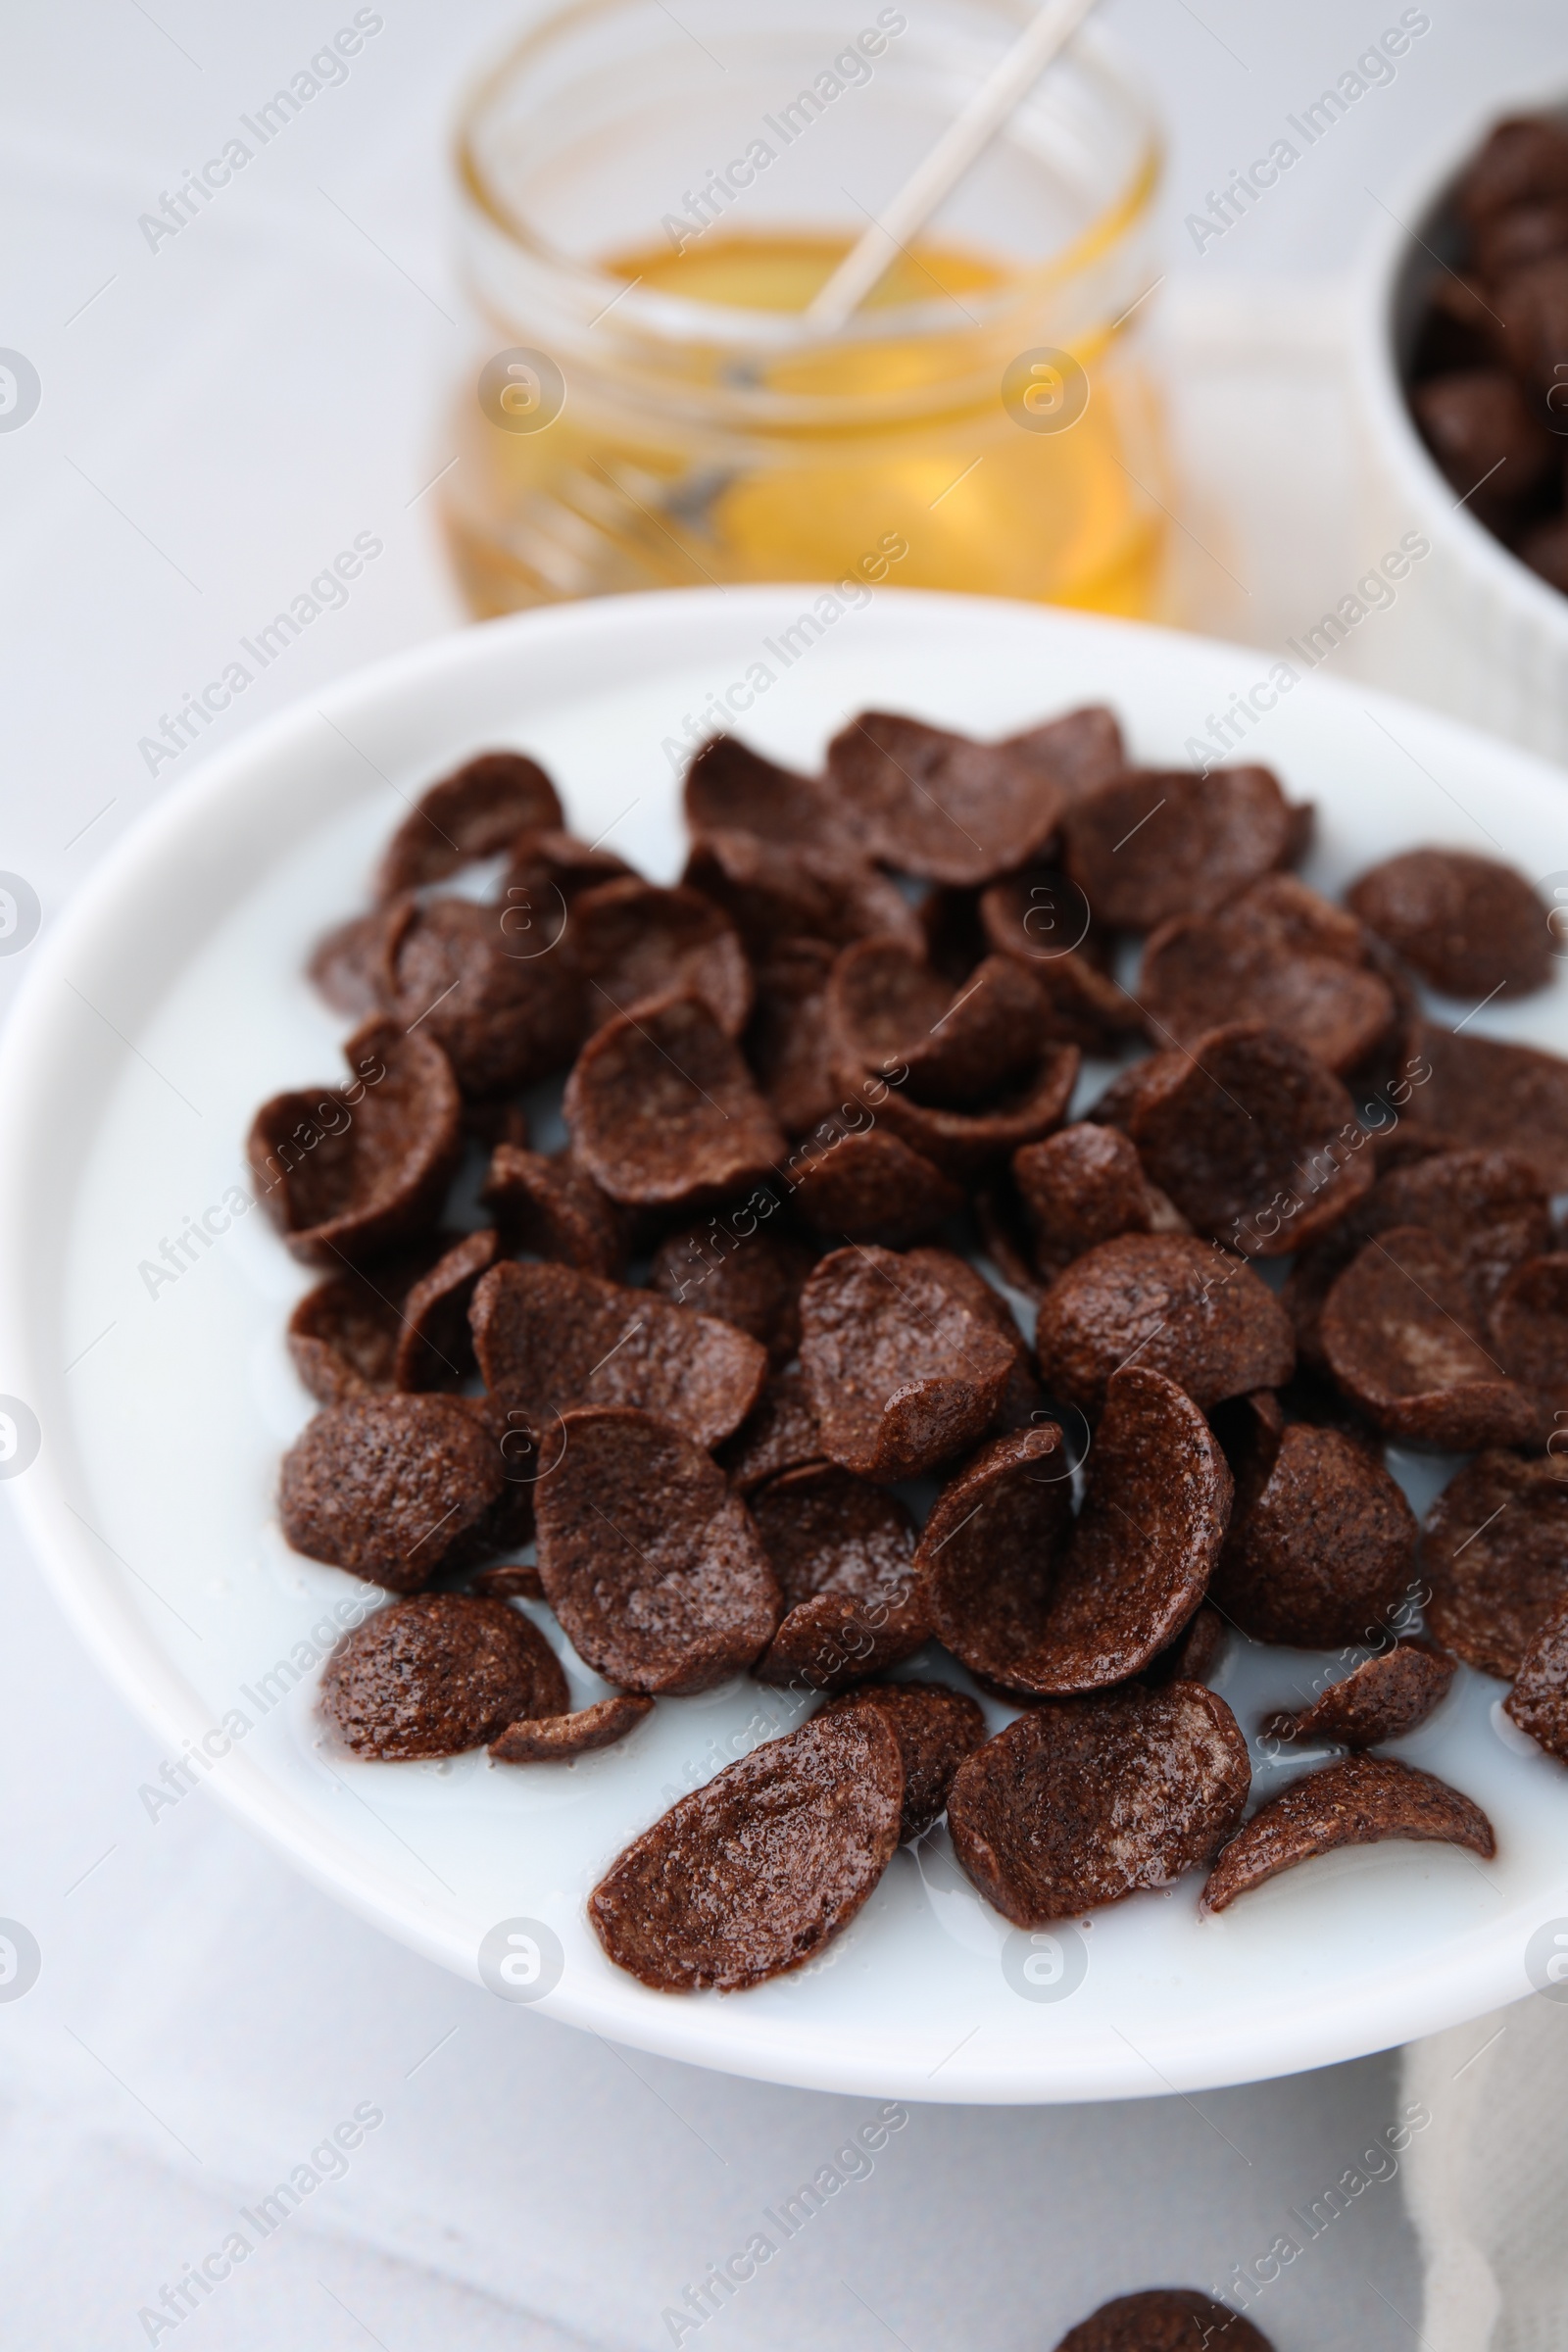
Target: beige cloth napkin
x,y
1487,2183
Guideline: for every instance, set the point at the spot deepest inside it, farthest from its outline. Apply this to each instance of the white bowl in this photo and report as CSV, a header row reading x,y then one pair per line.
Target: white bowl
x,y
1476,632
169,1000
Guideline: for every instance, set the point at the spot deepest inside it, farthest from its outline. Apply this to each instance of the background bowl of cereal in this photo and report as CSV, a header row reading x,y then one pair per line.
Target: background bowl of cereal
x,y
1461,348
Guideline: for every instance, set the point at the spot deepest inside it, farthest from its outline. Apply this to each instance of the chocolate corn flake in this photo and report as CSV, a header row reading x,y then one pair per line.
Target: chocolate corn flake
x,y
776,891
663,1112
1494,1552
941,804
502,1012
1523,160
434,1345
552,1209
990,1549
1470,925
888,1008
1527,232
635,941
1488,1206
969,1283
983,1043
1115,1103
548,873
779,1434
1326,1550
1381,1698
842,1555
438,1674
1082,1802
868,1187
391,1488
1167,1304
883,999
1530,1322
1360,1801
1042,922
1476,1092
1153,843
472,813
752,1280
349,964
1539,1699
1154,1514
1404,1341
343,1335
787,1044
1082,1186
1039,1605
935,1728
504,1018
652,1564
350,1171
1080,749
1022,1398
966,1145
1476,422
1278,955
748,1877
1253,1138
912,786
1164,2319
901,1367
546,1739
549,1338
730,787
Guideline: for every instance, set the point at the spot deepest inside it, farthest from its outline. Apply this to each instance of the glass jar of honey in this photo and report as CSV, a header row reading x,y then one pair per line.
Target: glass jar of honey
x,y
651,199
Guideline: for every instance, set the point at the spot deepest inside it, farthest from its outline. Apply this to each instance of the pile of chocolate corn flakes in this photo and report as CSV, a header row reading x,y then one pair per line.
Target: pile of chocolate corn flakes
x,y
731,1358
1489,370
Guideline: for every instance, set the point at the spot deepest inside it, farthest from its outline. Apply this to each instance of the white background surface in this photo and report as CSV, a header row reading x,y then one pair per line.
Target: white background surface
x,y
217,421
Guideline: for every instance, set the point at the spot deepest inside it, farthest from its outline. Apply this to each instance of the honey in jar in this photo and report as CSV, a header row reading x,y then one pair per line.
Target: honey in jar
x,y
656,412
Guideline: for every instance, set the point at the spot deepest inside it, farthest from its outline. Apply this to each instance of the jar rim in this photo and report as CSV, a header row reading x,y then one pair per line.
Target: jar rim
x,y
664,317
